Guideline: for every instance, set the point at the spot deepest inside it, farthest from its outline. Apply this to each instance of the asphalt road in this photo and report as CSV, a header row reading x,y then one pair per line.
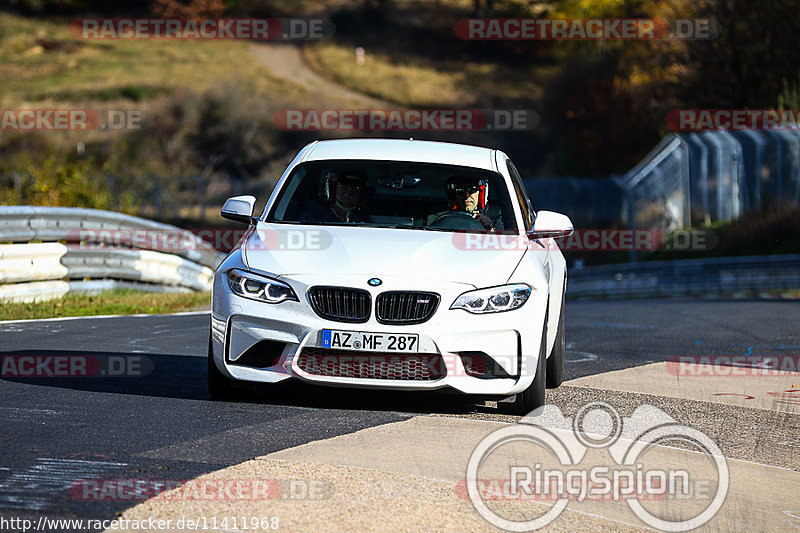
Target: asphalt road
x,y
612,335
162,425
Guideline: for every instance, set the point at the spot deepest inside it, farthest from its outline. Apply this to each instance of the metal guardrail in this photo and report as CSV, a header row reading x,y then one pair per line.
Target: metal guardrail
x,y
137,265
688,277
48,290
712,176
32,262
47,224
101,250
687,180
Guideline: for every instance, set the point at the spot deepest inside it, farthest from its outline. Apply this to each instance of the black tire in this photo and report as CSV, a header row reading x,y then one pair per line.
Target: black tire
x,y
533,397
555,363
219,386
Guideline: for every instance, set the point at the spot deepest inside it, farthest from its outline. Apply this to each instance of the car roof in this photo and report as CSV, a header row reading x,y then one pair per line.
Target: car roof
x,y
403,150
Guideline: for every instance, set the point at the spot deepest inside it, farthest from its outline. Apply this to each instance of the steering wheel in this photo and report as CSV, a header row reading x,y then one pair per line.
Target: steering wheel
x,y
457,220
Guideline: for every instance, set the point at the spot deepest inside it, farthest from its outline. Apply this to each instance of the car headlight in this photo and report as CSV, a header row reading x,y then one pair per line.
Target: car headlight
x,y
261,288
493,299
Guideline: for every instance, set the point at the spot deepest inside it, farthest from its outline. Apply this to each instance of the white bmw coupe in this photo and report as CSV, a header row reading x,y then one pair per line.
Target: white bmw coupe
x,y
394,264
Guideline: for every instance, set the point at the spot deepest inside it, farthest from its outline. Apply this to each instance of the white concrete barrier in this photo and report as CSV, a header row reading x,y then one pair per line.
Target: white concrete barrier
x,y
91,257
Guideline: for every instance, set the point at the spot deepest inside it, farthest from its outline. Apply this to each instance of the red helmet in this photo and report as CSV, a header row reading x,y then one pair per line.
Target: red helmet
x,y
469,186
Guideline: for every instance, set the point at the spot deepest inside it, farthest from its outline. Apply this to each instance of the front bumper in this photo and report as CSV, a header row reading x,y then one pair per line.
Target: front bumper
x,y
280,333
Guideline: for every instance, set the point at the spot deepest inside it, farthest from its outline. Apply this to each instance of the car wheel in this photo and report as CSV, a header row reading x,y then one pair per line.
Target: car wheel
x,y
219,385
533,397
555,363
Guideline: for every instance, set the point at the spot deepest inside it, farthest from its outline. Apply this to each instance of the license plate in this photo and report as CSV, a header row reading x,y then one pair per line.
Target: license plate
x,y
371,342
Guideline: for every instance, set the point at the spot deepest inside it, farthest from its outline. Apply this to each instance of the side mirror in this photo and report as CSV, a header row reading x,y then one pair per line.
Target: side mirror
x,y
550,225
240,209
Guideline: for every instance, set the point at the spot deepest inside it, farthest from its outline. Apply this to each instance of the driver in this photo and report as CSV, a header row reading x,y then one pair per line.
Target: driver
x,y
470,195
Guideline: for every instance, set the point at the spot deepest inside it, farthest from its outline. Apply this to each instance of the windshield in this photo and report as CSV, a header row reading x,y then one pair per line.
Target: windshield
x,y
395,194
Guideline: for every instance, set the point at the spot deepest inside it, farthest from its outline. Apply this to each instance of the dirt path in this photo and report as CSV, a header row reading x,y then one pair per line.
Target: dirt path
x,y
286,61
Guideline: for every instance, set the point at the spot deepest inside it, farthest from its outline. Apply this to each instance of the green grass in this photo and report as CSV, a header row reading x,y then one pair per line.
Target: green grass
x,y
414,58
108,70
401,83
411,81
116,302
773,231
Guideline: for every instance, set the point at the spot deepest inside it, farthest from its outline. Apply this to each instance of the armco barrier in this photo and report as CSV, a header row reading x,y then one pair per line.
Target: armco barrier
x,y
32,271
137,265
690,277
48,224
712,176
32,262
47,290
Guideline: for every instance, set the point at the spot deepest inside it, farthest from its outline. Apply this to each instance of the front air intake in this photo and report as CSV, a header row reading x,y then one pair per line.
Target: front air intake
x,y
368,365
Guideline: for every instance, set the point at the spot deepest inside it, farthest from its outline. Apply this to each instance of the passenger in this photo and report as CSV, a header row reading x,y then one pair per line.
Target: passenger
x,y
344,196
347,192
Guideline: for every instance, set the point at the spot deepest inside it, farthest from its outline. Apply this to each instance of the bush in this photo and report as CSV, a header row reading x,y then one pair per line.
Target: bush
x,y
56,182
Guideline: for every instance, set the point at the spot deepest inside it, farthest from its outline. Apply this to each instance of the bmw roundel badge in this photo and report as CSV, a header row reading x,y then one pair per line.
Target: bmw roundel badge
x,y
374,282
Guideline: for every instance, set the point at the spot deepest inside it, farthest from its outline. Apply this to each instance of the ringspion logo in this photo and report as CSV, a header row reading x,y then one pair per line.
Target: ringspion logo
x,y
596,456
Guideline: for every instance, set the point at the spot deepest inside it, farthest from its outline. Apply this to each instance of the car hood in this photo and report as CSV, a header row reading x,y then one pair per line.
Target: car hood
x,y
285,250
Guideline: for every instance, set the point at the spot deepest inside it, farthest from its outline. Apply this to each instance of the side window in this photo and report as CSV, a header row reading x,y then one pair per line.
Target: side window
x,y
524,204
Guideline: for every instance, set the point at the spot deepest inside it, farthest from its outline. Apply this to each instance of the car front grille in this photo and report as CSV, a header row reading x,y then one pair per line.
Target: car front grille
x,y
341,304
405,307
390,366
